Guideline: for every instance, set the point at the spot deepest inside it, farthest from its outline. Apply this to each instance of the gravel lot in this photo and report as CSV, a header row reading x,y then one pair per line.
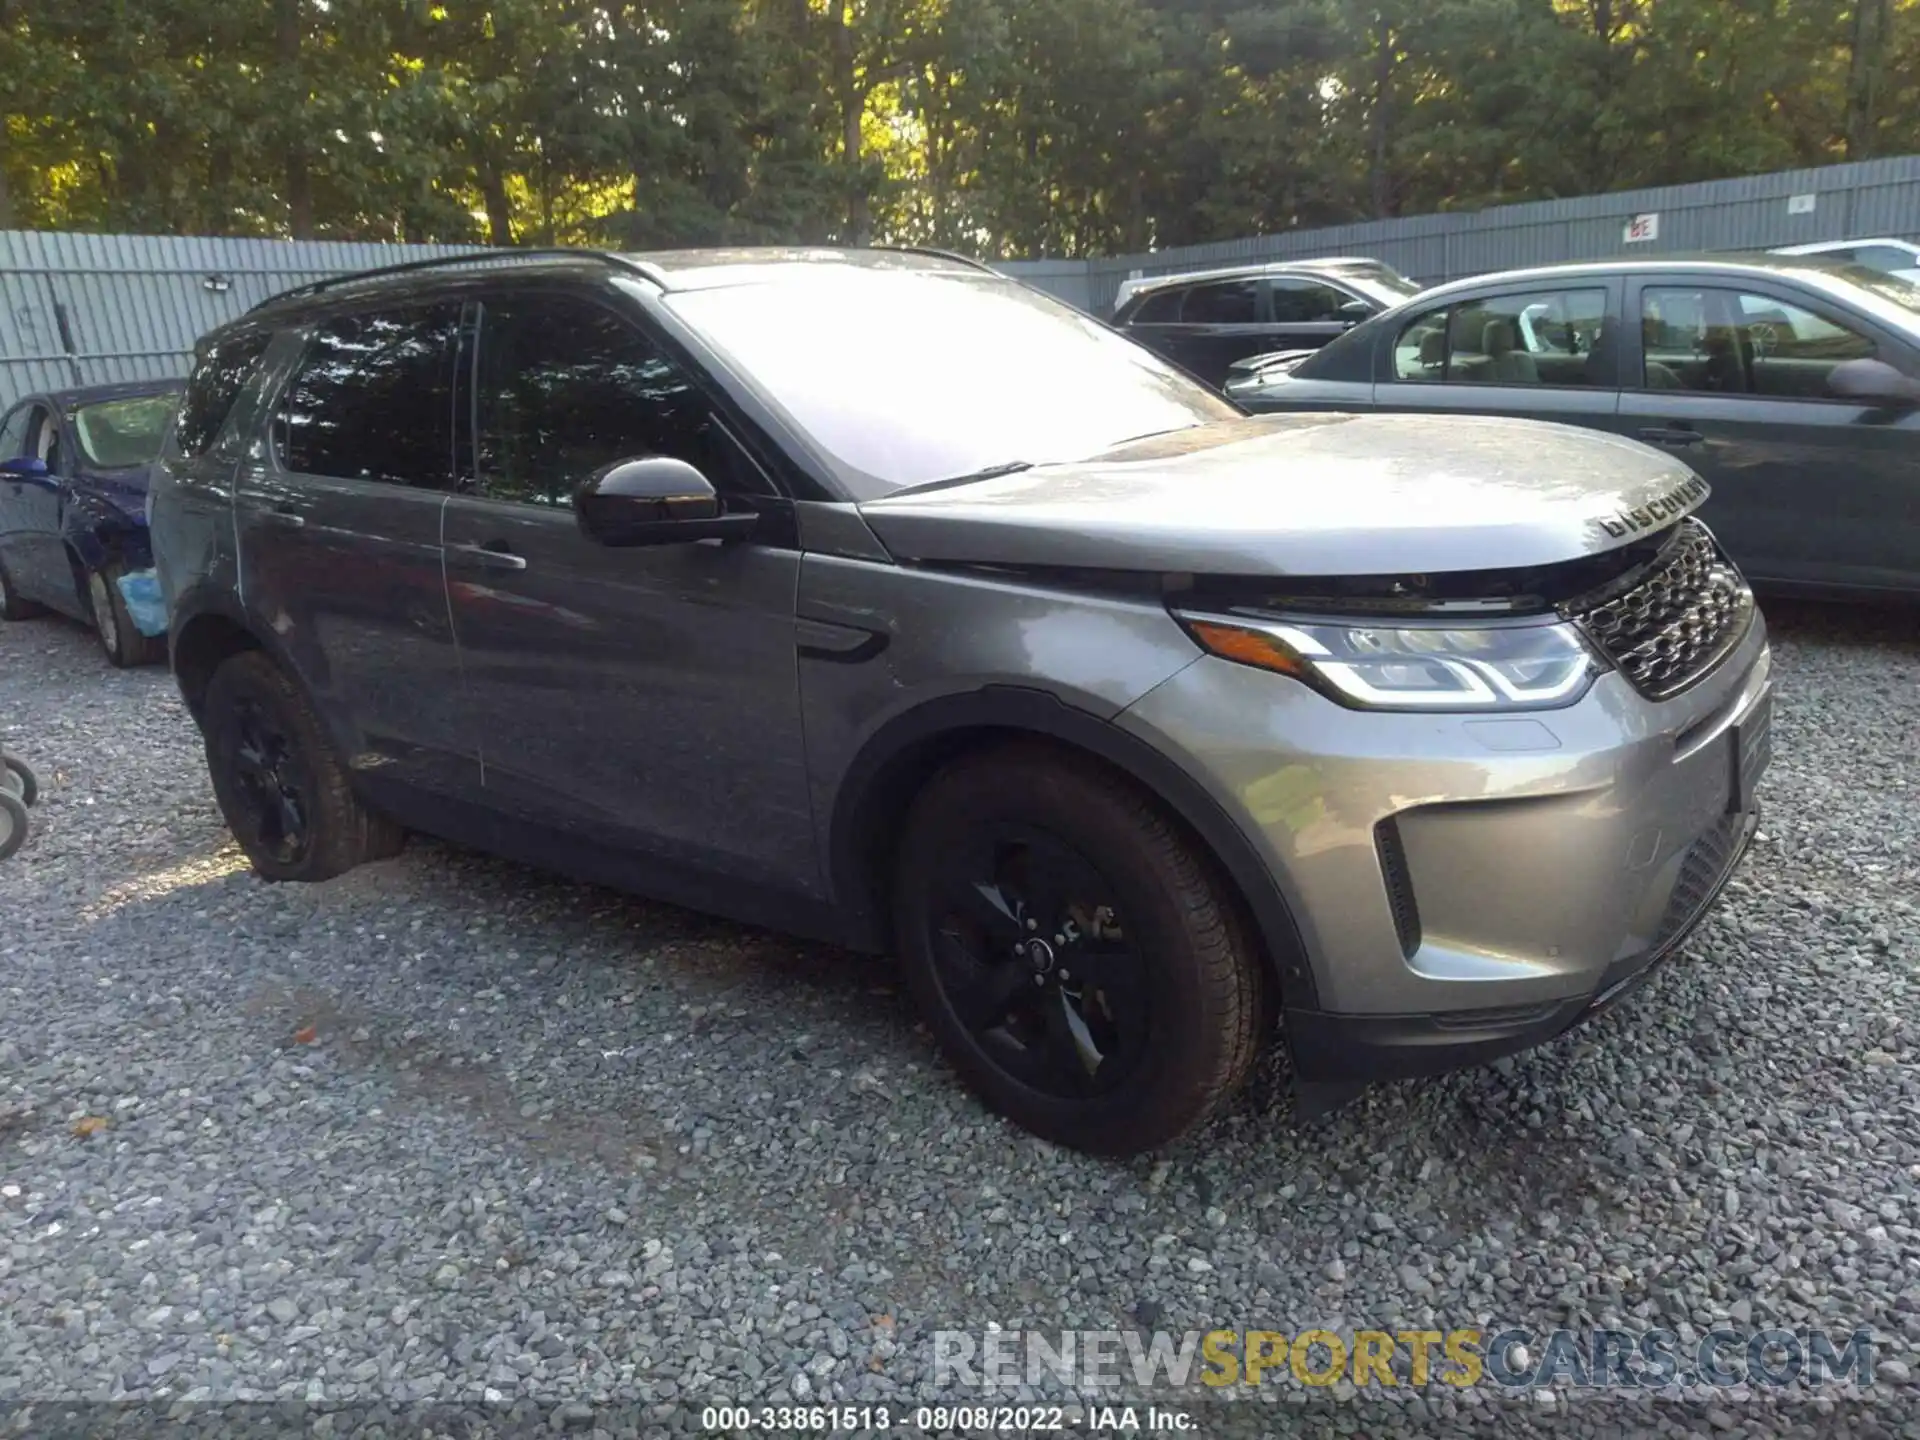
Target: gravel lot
x,y
448,1130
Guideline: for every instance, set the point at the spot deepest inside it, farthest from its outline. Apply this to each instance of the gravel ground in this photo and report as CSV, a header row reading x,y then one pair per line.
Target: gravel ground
x,y
448,1131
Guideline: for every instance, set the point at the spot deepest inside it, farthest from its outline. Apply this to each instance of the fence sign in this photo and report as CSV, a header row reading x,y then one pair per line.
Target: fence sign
x,y
1801,204
1643,227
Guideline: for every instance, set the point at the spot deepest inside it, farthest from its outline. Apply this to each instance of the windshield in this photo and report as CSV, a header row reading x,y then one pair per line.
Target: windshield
x,y
118,433
908,377
1389,287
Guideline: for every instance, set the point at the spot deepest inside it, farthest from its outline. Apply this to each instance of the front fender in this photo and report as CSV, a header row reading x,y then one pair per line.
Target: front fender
x,y
99,531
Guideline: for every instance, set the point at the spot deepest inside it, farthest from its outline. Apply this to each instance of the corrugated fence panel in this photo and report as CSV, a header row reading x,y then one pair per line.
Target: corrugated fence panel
x,y
133,305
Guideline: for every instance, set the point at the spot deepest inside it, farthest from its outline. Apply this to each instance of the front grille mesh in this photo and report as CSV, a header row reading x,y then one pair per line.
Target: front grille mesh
x,y
1676,621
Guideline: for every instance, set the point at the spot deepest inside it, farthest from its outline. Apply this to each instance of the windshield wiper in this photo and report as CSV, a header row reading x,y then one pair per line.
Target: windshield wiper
x,y
1010,467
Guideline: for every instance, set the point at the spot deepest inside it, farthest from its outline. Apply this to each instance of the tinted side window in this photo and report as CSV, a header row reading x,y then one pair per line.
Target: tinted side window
x,y
566,387
373,399
1304,302
13,435
1161,308
1882,257
219,376
1231,302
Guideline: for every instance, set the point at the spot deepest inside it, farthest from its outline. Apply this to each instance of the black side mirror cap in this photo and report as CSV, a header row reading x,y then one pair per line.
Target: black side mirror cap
x,y
654,500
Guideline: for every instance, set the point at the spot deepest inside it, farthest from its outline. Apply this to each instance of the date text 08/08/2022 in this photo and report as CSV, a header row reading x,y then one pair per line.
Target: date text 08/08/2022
x,y
942,1419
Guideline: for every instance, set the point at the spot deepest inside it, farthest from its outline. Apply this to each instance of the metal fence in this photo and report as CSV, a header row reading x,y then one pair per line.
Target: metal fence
x,y
92,309
1871,198
88,309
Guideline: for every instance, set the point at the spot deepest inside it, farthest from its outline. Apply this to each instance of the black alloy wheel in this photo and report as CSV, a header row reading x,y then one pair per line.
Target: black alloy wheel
x,y
1031,952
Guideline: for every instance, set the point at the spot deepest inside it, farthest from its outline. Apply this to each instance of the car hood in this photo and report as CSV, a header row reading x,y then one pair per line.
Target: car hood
x,y
1308,494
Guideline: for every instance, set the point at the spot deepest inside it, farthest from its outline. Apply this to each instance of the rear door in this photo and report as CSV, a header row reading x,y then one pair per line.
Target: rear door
x,y
641,697
1808,488
1540,353
338,516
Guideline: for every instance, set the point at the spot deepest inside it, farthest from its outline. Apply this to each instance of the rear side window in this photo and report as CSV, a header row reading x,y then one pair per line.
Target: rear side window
x,y
373,399
219,376
13,436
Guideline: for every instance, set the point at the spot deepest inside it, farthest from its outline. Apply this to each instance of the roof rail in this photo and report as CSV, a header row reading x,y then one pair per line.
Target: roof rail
x,y
477,257
939,253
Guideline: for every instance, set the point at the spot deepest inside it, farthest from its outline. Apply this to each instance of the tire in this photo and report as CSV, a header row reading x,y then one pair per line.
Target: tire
x,y
1179,1011
19,781
279,783
13,825
13,605
124,645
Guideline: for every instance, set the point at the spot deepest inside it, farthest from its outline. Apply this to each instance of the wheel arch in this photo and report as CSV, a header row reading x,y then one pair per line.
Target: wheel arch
x,y
205,632
890,769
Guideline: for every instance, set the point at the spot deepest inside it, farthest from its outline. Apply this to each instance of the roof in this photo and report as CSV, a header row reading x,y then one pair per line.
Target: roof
x,y
1313,265
93,394
1819,247
1736,263
670,270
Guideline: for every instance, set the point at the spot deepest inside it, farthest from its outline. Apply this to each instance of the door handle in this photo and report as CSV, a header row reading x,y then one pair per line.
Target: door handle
x,y
494,555
1671,435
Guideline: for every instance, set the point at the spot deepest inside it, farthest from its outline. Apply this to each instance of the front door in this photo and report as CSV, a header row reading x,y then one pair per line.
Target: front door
x,y
1808,488
338,512
644,697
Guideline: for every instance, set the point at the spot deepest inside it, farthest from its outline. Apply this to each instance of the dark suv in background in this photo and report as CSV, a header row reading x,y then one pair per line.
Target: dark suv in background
x,y
1207,320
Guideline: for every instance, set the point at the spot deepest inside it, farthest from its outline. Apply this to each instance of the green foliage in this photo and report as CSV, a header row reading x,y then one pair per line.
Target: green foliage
x,y
1010,127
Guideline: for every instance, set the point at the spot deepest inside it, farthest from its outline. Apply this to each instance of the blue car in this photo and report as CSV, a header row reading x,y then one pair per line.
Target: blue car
x,y
73,527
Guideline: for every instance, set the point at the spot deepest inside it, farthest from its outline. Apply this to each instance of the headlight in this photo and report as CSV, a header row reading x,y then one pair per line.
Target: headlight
x,y
1411,667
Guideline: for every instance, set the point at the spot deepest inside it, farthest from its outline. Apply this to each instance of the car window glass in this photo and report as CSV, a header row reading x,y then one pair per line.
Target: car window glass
x,y
218,377
1305,302
1730,343
1540,337
1881,257
115,434
566,387
1162,308
373,399
46,438
13,435
1230,302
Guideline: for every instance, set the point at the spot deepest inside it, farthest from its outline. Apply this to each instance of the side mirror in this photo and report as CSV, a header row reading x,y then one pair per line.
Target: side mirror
x,y
24,467
1872,382
1354,311
654,500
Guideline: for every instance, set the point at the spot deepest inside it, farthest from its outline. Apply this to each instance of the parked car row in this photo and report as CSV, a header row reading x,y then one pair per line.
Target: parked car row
x,y
1142,730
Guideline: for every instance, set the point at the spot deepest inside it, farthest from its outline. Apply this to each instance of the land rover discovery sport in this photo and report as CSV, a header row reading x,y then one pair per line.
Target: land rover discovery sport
x,y
873,595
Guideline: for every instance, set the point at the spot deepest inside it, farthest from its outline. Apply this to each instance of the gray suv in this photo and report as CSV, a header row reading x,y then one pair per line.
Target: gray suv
x,y
877,597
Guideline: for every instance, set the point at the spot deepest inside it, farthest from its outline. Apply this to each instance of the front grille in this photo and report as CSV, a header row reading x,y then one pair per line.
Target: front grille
x,y
1673,621
1701,872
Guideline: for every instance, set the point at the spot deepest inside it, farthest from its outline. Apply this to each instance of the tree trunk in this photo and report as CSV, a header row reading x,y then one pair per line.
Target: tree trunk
x,y
1866,42
6,199
493,187
853,108
1380,122
289,23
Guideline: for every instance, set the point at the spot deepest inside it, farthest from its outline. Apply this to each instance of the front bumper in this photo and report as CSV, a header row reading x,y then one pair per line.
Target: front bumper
x,y
1465,887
